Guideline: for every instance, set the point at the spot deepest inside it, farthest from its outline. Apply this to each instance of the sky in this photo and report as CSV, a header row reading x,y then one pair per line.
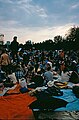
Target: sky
x,y
37,20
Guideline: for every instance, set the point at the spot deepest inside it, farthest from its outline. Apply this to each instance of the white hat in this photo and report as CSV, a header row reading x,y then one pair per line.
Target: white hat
x,y
49,64
74,62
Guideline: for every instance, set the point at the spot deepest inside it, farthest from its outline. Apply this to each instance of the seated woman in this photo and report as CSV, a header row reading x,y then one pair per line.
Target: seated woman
x,y
48,75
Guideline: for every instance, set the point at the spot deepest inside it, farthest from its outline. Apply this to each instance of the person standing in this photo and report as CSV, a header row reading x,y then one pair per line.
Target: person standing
x,y
14,49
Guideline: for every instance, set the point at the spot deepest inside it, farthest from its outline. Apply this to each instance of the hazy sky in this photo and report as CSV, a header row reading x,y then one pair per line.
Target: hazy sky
x,y
37,20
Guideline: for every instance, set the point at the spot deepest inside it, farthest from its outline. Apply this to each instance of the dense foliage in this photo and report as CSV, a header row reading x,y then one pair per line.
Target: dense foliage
x,y
69,42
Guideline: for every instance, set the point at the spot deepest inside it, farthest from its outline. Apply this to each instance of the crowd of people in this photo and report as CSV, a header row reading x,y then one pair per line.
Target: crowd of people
x,y
36,66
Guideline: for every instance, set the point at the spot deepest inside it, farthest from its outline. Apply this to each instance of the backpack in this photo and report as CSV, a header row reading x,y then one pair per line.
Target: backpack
x,y
74,78
75,90
54,91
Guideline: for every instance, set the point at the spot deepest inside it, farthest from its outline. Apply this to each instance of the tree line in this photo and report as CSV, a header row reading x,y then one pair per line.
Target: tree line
x,y
69,42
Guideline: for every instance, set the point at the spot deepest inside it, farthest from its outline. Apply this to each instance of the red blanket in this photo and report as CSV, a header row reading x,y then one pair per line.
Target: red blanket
x,y
16,107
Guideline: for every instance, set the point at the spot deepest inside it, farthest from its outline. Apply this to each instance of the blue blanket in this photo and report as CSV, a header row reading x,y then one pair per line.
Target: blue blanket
x,y
73,101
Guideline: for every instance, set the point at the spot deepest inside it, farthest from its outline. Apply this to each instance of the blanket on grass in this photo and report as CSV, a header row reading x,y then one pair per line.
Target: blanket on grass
x,y
15,106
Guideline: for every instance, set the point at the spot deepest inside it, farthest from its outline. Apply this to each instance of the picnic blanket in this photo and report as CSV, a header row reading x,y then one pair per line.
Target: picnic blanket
x,y
70,112
73,101
15,106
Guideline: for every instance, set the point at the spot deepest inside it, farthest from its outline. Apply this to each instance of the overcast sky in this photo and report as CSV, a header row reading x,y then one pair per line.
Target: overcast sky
x,y
37,20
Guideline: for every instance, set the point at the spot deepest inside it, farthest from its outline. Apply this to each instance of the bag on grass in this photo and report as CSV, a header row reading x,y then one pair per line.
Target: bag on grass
x,y
76,91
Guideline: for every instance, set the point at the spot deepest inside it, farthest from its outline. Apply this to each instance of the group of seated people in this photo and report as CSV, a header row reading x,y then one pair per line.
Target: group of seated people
x,y
35,76
47,77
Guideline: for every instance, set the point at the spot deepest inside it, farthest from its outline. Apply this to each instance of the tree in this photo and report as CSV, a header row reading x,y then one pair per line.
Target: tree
x,y
73,38
28,45
58,39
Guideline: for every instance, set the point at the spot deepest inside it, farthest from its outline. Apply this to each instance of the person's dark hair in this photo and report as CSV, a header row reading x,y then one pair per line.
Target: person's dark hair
x,y
15,38
49,68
